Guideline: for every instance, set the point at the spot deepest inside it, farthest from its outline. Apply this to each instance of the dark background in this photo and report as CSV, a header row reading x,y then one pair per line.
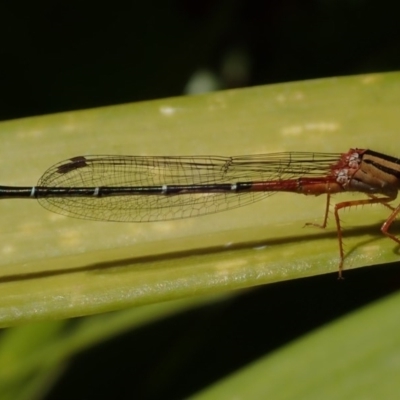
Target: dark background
x,y
58,55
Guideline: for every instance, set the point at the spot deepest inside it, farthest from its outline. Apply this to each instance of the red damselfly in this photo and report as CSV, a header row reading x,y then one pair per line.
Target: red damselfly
x,y
143,189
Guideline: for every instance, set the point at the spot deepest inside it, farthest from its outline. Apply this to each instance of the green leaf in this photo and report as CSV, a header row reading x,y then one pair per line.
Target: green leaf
x,y
356,357
54,267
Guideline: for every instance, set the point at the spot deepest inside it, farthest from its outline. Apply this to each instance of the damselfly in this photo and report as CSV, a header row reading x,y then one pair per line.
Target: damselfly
x,y
143,189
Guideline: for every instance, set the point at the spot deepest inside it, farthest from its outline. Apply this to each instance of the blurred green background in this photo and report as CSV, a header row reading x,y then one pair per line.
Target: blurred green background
x,y
58,56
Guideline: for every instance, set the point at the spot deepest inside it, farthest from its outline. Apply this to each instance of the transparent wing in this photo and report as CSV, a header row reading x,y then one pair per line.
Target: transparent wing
x,y
139,171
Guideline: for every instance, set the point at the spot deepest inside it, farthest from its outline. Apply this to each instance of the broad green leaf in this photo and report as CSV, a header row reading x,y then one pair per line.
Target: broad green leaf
x,y
356,357
55,267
